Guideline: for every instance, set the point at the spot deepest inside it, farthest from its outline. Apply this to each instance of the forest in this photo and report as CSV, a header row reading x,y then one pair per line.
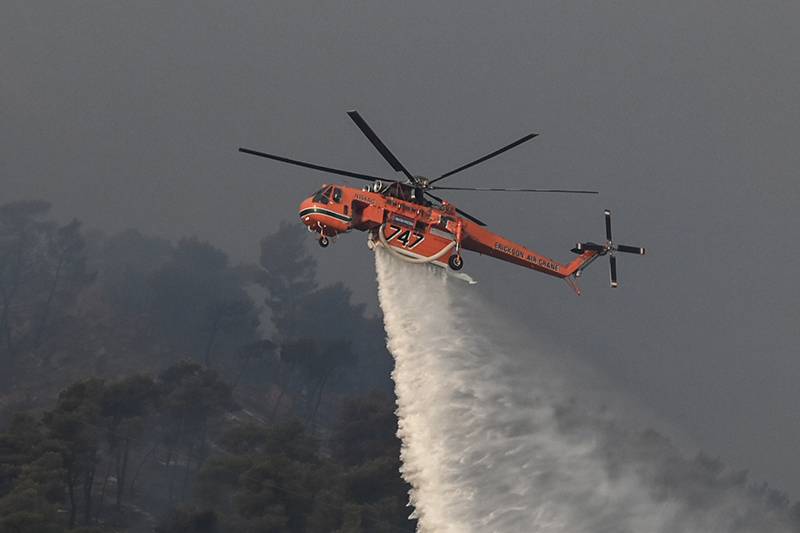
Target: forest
x,y
150,385
155,386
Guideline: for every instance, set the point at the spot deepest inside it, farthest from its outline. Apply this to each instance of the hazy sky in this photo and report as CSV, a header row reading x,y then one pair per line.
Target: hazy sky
x,y
684,114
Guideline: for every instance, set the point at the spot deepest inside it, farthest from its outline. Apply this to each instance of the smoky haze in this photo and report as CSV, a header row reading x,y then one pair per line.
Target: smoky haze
x,y
684,115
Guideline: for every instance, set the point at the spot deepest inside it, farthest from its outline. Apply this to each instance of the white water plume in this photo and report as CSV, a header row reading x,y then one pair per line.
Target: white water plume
x,y
494,439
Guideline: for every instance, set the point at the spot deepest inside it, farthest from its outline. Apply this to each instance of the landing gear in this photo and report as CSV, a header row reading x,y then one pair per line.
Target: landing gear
x,y
324,242
455,262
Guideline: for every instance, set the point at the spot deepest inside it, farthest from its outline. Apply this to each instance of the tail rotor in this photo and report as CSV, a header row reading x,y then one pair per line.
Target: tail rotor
x,y
610,248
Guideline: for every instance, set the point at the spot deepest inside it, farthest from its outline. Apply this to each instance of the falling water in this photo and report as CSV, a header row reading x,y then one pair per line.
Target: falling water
x,y
498,435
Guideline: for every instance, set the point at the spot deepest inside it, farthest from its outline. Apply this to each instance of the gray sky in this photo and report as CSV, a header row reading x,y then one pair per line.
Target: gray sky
x,y
683,114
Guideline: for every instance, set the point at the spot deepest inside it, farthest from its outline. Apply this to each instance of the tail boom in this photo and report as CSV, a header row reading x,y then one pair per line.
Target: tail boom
x,y
483,241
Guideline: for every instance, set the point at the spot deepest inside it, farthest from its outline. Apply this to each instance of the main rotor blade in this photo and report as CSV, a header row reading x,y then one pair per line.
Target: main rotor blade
x,y
630,249
498,189
459,211
489,156
347,173
378,144
608,224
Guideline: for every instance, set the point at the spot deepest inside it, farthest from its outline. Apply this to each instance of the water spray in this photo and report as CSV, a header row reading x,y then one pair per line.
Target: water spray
x,y
496,437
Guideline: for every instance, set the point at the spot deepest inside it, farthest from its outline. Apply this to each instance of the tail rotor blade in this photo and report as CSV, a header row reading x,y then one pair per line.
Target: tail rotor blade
x,y
612,261
583,246
630,249
609,248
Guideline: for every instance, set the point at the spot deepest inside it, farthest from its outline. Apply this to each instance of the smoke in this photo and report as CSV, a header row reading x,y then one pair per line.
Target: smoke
x,y
499,436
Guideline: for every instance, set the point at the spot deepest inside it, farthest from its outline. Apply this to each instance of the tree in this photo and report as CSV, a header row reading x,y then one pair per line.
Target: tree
x,y
125,262
187,520
319,329
125,404
31,478
66,276
42,269
276,479
200,304
365,429
288,274
22,232
365,439
293,355
18,447
319,365
261,351
75,423
192,397
268,479
26,508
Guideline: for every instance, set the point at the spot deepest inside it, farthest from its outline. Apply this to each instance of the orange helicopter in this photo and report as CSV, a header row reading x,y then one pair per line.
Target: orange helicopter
x,y
417,226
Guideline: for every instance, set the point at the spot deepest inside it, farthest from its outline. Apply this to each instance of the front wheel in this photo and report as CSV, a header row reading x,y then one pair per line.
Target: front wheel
x,y
324,242
455,262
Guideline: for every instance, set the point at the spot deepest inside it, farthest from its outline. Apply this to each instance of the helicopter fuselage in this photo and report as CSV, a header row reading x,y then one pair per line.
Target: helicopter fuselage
x,y
419,230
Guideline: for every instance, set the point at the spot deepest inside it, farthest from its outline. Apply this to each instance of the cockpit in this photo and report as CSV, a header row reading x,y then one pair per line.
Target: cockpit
x,y
327,194
326,211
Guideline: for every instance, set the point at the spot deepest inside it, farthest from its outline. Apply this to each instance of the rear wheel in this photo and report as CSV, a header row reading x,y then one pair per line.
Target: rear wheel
x,y
455,262
324,242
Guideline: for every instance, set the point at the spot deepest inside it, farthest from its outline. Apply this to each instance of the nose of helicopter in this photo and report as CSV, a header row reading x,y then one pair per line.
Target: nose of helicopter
x,y
325,218
306,212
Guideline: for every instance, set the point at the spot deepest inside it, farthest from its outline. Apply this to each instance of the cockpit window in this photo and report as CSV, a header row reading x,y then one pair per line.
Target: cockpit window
x,y
337,195
321,196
